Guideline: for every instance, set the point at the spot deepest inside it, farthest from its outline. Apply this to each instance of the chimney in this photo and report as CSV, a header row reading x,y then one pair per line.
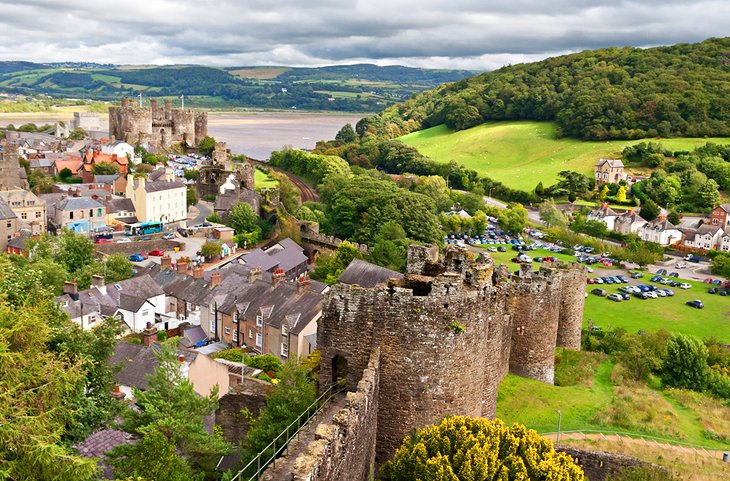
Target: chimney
x,y
278,277
662,217
632,212
165,262
303,283
70,288
149,335
182,266
118,394
254,275
197,272
98,282
604,206
215,279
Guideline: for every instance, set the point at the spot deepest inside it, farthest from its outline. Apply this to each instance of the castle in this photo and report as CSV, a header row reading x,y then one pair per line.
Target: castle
x,y
154,126
435,343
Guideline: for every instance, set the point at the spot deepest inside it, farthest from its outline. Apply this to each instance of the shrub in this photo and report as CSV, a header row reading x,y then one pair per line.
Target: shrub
x,y
686,363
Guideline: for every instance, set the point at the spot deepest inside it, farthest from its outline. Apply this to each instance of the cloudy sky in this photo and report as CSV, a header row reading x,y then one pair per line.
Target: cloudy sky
x,y
473,34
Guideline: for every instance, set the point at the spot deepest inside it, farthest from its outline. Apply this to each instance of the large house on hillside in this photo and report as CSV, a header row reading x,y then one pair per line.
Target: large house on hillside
x,y
609,171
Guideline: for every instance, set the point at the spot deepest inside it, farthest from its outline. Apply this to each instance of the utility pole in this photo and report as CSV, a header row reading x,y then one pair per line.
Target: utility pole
x,y
140,99
182,98
560,420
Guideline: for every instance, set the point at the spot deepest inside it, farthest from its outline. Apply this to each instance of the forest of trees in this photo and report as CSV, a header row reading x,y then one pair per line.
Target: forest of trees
x,y
612,93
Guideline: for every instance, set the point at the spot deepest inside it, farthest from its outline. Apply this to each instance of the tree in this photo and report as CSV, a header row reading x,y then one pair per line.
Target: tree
x,y
571,196
539,189
346,134
621,194
150,159
75,251
329,267
152,458
105,168
644,354
242,218
686,363
391,247
464,449
513,219
211,250
117,267
709,195
77,134
551,215
674,217
289,194
604,192
574,181
435,187
171,409
191,197
65,174
190,175
206,146
649,210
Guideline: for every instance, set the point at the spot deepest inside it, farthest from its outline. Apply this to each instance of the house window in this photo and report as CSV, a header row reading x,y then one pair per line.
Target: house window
x,y
212,309
715,221
98,212
284,330
24,215
37,215
91,212
235,317
10,224
284,350
212,326
146,312
235,335
258,340
228,331
259,321
250,333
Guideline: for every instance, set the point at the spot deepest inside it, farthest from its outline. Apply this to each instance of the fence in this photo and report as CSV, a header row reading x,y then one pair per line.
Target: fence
x,y
268,455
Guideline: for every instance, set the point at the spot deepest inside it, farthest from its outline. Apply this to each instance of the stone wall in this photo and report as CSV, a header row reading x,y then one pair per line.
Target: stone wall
x,y
344,447
572,301
598,465
129,248
159,127
250,395
448,332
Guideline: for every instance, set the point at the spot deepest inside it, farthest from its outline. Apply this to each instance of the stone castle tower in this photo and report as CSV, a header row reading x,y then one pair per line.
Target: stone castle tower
x,y
447,333
10,168
157,126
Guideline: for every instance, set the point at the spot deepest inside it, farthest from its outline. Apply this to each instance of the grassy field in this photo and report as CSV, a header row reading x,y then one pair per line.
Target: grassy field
x,y
262,179
603,401
521,154
259,73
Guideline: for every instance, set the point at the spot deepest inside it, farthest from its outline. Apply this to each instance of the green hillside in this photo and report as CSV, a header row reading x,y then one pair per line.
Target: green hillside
x,y
362,87
521,154
612,93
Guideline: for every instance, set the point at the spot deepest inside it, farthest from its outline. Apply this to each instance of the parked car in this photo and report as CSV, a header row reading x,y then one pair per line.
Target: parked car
x,y
641,295
124,240
665,280
156,253
502,249
636,275
102,240
656,278
724,292
707,280
675,283
692,258
136,258
684,285
712,290
697,304
626,296
599,292
669,292
673,274
168,236
680,265
662,272
615,297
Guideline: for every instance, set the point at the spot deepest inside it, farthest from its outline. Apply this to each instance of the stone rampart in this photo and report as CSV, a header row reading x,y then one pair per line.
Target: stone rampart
x,y
129,248
344,447
249,396
599,465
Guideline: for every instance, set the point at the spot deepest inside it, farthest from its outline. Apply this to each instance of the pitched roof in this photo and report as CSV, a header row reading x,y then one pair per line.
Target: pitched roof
x,y
78,203
725,207
136,362
366,274
119,205
259,258
159,186
73,164
5,211
612,163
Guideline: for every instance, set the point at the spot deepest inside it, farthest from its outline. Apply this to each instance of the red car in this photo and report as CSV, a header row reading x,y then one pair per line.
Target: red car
x,y
156,253
708,280
591,280
103,241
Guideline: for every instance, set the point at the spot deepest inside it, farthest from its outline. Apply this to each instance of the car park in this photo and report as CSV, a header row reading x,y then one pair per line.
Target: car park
x,y
697,304
684,285
599,292
615,297
680,265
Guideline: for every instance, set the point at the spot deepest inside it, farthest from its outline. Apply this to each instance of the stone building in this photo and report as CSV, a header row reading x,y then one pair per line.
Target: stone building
x,y
160,127
446,334
609,171
8,224
30,209
10,176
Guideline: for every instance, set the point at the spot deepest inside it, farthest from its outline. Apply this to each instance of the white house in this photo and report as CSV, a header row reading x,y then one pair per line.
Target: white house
x,y
118,148
660,231
604,214
628,223
705,237
158,200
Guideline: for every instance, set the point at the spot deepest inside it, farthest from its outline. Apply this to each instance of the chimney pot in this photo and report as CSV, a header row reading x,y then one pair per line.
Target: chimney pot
x,y
149,335
197,273
165,262
215,279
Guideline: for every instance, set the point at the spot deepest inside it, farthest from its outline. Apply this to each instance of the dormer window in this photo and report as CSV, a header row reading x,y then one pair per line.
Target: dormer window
x,y
284,330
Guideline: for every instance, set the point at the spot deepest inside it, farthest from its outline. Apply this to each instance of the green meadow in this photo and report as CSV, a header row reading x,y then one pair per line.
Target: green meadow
x,y
522,153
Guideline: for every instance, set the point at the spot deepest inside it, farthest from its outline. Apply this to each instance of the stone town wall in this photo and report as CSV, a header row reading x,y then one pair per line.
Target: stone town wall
x,y
129,248
344,447
251,395
448,333
598,465
572,301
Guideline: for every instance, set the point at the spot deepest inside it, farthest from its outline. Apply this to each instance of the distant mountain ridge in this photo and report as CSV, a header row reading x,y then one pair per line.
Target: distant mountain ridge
x,y
612,93
361,87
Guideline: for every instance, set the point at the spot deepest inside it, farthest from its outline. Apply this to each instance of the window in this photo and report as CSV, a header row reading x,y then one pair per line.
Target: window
x,y
98,212
146,312
24,215
10,224
38,215
235,335
228,331
250,333
212,326
284,330
91,212
258,340
284,349
235,317
259,321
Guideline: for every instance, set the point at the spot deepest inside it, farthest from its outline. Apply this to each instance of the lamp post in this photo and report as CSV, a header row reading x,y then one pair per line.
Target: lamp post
x,y
560,420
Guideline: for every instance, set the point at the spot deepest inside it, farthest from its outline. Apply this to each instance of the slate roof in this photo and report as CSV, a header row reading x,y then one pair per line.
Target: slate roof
x,y
136,362
613,163
259,258
18,242
119,205
290,258
659,225
99,443
105,179
78,203
5,211
366,274
159,186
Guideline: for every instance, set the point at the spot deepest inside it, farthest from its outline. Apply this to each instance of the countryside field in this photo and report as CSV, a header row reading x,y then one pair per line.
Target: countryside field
x,y
521,154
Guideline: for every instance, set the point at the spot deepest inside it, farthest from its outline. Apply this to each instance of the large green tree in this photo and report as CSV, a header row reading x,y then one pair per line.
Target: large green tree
x,y
686,363
469,449
513,219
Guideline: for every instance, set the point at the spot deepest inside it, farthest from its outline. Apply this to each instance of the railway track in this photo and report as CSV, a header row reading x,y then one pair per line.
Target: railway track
x,y
308,194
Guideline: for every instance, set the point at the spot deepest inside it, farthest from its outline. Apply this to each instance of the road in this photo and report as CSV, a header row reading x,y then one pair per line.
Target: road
x,y
532,214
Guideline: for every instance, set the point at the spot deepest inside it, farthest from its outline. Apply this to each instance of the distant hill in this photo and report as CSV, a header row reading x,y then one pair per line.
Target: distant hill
x,y
361,87
612,93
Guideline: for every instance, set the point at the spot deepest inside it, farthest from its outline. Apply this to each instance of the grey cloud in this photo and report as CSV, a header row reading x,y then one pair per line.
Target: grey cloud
x,y
457,33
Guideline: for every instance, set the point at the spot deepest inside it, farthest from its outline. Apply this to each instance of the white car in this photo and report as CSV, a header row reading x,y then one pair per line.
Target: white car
x,y
661,293
680,265
653,294
684,285
124,240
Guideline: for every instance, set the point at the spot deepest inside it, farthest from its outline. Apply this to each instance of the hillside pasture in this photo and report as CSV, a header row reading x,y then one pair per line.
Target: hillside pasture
x,y
522,153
